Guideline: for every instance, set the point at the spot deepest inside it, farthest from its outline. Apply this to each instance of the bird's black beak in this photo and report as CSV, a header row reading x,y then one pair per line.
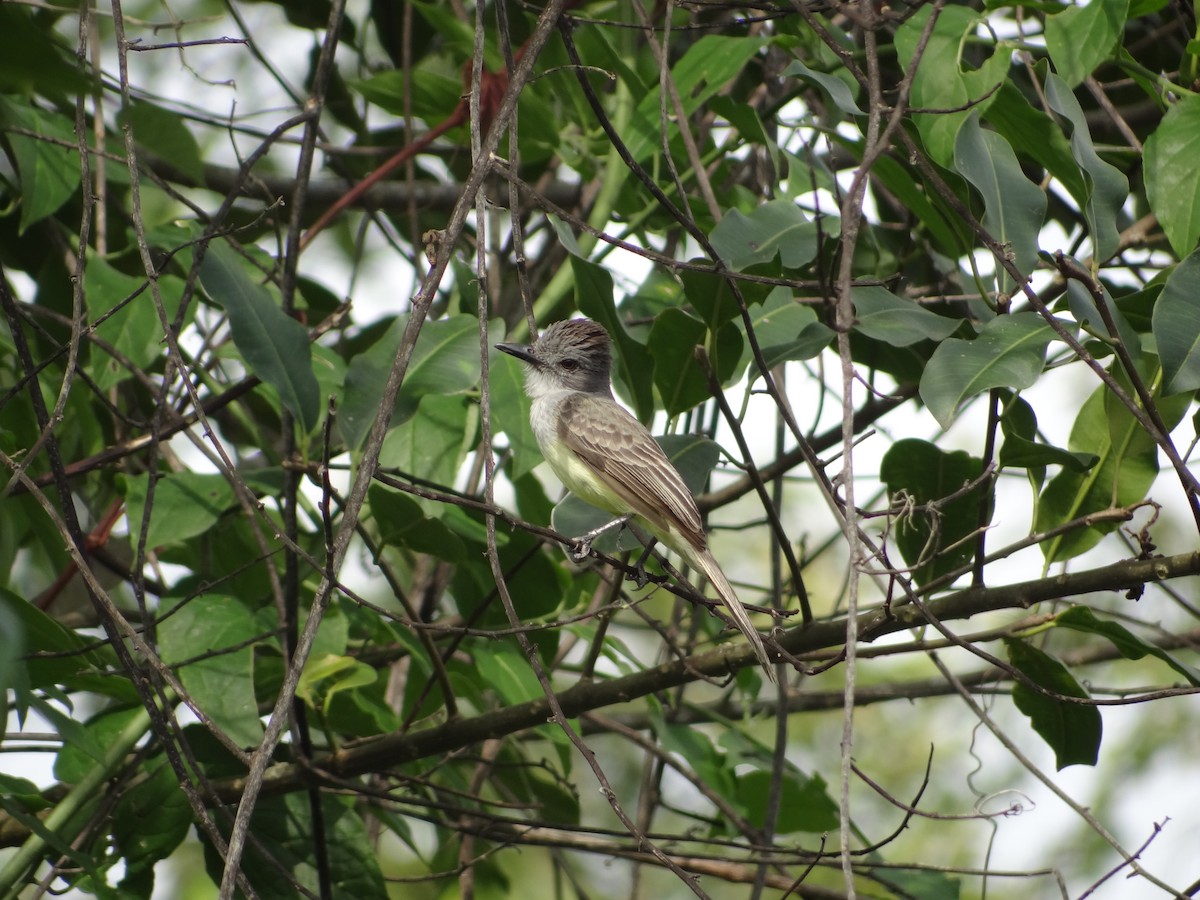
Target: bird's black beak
x,y
523,352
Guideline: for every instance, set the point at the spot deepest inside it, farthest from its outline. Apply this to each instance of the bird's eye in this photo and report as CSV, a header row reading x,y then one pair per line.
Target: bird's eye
x,y
570,364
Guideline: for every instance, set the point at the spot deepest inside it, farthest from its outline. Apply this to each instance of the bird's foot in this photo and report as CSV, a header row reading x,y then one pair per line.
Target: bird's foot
x,y
582,545
639,576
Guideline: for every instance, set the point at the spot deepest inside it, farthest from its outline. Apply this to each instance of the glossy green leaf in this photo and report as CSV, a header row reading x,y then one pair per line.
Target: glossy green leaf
x,y
681,382
205,637
944,230
504,669
1081,37
152,819
1127,468
1176,324
1014,207
700,73
1106,187
882,316
942,81
1073,730
1128,644
274,345
918,883
86,746
1172,177
778,227
805,803
839,91
185,504
433,444
49,653
133,330
32,60
785,329
283,828
699,754
326,675
49,171
1009,352
1083,307
919,473
1022,449
1034,134
402,523
166,135
444,361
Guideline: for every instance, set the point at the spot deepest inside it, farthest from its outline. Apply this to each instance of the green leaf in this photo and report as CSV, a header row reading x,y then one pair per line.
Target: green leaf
x,y
403,523
677,375
945,230
1022,450
506,671
778,227
274,345
1106,186
280,858
839,91
1127,468
164,134
699,753
632,363
1172,178
185,504
1083,307
882,316
33,59
919,473
134,330
48,653
1034,134
705,69
209,633
444,361
940,82
785,330
1128,644
919,883
435,441
1176,324
805,804
328,674
1081,37
85,744
49,170
1009,352
1073,730
1014,207
152,819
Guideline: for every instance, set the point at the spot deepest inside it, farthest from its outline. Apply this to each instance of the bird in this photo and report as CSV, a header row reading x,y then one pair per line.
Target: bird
x,y
606,457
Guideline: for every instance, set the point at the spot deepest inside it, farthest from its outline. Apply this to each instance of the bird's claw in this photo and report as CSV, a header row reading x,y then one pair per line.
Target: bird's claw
x,y
580,550
639,576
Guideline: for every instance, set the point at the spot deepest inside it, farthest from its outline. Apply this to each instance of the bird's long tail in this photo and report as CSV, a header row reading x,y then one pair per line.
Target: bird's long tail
x,y
706,563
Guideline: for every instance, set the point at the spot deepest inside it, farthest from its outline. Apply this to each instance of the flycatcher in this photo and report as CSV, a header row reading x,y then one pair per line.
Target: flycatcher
x,y
606,457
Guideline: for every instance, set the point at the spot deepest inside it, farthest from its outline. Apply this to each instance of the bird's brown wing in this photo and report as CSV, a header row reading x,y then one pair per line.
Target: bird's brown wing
x,y
629,461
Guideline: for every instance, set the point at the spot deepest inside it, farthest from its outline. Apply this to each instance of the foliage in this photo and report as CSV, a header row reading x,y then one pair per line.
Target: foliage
x,y
285,575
